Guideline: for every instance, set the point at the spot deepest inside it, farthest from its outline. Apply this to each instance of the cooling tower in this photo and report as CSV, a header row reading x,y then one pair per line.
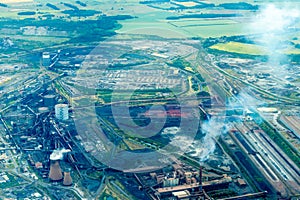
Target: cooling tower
x,y
55,173
67,179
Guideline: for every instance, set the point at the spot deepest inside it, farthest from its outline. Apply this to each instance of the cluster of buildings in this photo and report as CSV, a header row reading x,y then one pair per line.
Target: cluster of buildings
x,y
182,182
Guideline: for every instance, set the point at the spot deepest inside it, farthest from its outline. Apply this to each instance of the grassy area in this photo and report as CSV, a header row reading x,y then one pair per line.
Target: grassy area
x,y
160,29
222,193
108,96
256,2
201,22
44,39
134,145
111,192
61,90
95,174
281,142
186,28
293,51
240,48
217,30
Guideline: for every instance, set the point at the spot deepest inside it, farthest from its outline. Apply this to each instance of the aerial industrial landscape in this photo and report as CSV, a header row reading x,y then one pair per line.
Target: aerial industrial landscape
x,y
149,99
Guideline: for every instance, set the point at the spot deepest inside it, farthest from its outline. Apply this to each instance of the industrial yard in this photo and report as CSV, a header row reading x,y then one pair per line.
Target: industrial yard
x,y
160,100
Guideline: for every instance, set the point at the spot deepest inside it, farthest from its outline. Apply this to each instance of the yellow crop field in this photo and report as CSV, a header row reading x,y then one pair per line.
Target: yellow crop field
x,y
240,48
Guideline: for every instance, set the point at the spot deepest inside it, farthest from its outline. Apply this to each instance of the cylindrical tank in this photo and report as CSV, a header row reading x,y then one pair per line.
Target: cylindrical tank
x,y
46,59
49,100
62,111
43,110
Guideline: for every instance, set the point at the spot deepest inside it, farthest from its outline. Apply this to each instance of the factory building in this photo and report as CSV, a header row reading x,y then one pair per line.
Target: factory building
x,y
62,111
169,182
183,182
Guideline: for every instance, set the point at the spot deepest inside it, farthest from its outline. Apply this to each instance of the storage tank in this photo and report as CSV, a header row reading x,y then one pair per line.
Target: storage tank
x,y
62,111
49,100
43,110
46,59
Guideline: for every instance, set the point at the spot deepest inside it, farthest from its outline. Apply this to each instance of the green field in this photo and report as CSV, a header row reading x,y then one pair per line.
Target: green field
x,y
256,2
43,39
183,28
148,20
200,22
160,29
248,49
240,48
153,22
293,51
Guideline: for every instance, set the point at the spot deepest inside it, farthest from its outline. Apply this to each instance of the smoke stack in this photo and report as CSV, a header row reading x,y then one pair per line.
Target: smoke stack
x,y
67,179
200,179
55,173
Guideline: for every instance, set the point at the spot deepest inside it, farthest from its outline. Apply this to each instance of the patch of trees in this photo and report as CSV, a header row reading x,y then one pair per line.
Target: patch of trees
x,y
180,63
198,6
122,66
154,1
204,5
239,6
238,38
48,16
97,30
224,65
52,6
203,94
203,15
3,5
26,13
70,6
87,31
80,13
183,64
81,3
294,58
121,17
195,85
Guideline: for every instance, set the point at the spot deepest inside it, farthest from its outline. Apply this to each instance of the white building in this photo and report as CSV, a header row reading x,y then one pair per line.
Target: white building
x,y
62,111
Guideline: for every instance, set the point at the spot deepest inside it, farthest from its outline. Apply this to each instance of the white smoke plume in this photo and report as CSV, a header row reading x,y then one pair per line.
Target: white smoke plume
x,y
246,100
212,128
275,26
58,154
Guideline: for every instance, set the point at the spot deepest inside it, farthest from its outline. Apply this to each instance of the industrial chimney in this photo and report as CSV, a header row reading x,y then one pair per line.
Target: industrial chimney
x,y
55,173
200,179
67,178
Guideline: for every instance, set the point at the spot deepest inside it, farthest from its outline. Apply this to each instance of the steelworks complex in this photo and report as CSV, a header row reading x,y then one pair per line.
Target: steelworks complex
x,y
38,131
